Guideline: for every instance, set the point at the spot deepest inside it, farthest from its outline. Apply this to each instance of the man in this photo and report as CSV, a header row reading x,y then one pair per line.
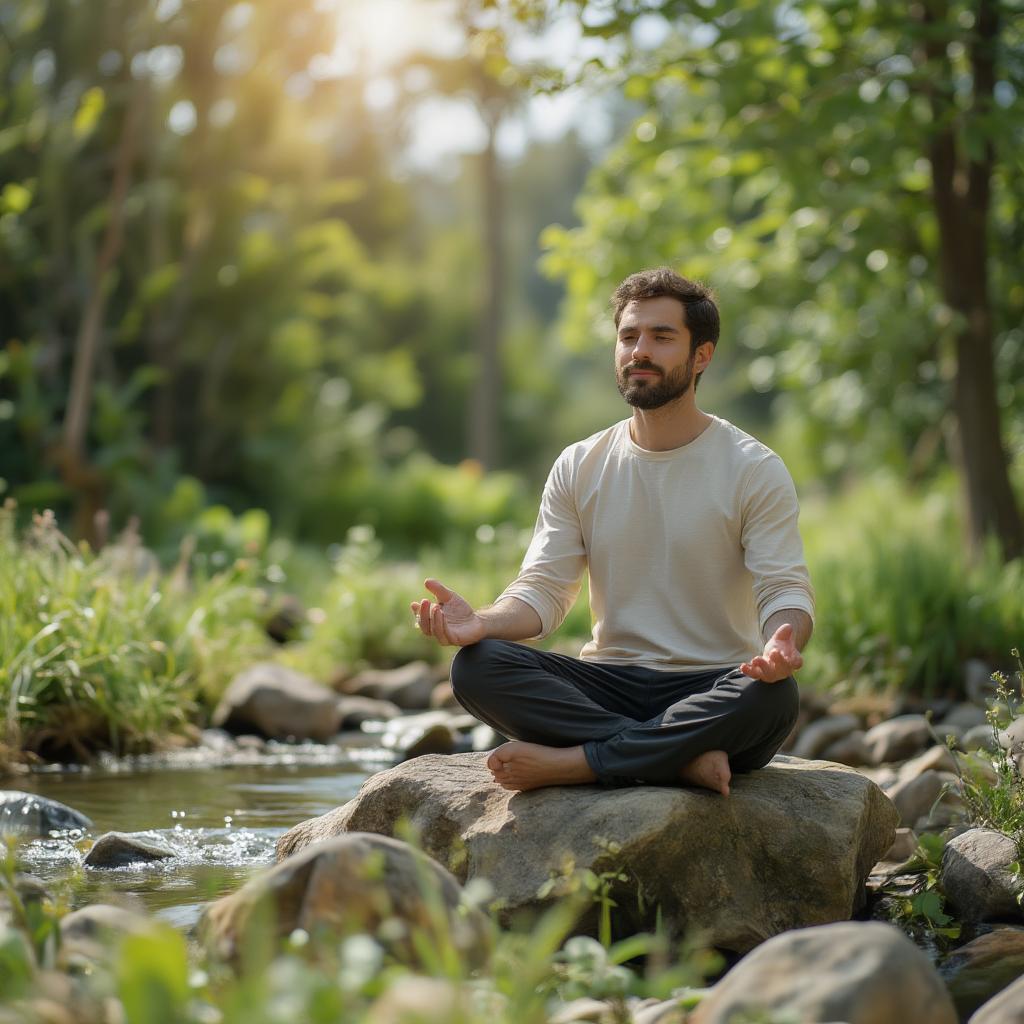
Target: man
x,y
701,600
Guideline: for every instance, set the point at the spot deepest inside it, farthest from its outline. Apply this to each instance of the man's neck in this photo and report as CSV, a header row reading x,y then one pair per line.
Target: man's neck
x,y
671,426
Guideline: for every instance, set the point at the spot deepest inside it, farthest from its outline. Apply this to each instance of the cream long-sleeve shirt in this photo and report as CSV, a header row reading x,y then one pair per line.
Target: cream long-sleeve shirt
x,y
689,551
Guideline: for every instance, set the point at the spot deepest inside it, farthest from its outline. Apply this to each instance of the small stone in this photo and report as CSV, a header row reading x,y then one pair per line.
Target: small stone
x,y
937,758
898,739
983,967
820,734
410,687
978,684
978,878
965,716
668,1012
442,697
582,1011
416,1000
903,847
355,710
849,749
415,735
979,738
118,849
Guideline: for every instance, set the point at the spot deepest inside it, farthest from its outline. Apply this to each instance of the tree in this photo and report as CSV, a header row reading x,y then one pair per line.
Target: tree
x,y
849,173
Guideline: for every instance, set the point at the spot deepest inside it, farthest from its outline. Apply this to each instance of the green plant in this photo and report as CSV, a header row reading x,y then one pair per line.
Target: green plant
x,y
921,908
998,803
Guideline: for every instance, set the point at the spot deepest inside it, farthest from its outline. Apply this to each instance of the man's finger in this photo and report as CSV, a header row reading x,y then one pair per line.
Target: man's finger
x,y
784,632
424,617
437,625
439,590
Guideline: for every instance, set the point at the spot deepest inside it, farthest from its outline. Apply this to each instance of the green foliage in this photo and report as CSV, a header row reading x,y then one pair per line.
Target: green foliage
x,y
96,654
899,605
998,803
921,910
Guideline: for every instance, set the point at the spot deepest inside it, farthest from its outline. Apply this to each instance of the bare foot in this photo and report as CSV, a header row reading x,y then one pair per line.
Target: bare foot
x,y
710,771
517,765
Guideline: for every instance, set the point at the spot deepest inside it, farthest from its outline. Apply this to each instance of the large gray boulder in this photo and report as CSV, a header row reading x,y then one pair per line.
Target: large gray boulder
x,y
792,846
279,703
410,687
857,972
35,817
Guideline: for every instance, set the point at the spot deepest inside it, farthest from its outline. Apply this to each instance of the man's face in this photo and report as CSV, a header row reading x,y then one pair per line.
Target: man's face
x,y
653,362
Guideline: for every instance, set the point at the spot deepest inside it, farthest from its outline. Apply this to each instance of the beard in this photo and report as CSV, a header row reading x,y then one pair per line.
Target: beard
x,y
653,394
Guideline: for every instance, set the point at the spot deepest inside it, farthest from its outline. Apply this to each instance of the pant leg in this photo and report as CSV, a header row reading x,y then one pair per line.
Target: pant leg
x,y
546,698
745,717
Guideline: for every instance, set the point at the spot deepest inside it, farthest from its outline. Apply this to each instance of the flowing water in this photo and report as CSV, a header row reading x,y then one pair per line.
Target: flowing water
x,y
222,820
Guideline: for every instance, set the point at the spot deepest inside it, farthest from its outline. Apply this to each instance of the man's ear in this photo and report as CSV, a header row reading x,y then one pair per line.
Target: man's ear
x,y
703,355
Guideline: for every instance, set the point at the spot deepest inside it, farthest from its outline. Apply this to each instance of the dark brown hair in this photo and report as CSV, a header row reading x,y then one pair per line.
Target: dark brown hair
x,y
700,314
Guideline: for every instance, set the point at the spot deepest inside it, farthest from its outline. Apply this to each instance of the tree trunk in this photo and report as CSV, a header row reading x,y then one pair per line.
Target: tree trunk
x,y
961,192
485,400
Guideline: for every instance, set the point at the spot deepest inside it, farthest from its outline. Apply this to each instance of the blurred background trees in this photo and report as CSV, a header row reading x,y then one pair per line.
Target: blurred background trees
x,y
285,255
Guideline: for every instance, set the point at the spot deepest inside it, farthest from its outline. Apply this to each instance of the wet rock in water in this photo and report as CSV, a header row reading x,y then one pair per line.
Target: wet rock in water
x,y
356,710
983,967
927,799
416,735
329,886
858,972
1005,1008
849,750
35,817
793,844
410,687
279,703
119,849
977,876
820,734
898,738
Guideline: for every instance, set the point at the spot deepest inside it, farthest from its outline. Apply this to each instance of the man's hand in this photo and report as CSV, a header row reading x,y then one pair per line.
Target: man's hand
x,y
451,621
780,659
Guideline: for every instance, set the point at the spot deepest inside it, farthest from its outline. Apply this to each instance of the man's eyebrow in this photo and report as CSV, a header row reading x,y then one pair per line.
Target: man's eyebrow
x,y
657,328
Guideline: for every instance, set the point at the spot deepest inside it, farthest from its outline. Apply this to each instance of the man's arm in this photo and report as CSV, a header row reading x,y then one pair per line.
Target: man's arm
x,y
786,633
451,620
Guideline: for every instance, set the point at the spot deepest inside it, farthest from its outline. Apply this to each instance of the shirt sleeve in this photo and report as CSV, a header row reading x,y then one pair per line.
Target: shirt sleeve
x,y
552,570
772,549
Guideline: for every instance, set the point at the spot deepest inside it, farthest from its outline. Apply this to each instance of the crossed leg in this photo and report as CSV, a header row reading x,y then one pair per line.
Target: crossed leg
x,y
576,722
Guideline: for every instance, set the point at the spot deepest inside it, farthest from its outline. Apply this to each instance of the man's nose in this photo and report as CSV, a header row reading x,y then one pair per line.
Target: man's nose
x,y
642,347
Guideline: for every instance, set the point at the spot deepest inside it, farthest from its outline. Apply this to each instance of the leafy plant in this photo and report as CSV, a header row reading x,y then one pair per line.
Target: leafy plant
x,y
922,907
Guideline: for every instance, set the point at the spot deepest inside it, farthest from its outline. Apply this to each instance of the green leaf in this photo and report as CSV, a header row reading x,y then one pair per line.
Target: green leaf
x,y
90,109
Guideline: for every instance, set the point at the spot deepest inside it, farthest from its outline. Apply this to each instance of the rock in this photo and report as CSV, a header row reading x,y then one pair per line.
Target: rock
x,y
856,972
410,687
898,739
983,967
903,847
1005,1008
965,716
821,733
416,1000
937,758
353,711
442,697
849,750
118,849
978,683
1012,737
870,708
979,738
667,1012
977,876
791,846
415,735
355,883
85,933
279,703
217,740
926,801
35,817
583,1011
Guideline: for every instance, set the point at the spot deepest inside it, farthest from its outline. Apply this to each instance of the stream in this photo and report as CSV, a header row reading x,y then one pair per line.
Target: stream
x,y
222,817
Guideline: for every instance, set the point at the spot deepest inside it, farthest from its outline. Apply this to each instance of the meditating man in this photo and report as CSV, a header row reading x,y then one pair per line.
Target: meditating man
x,y
700,597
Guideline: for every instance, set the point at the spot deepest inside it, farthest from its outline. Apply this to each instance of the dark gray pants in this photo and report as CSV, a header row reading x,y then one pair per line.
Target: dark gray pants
x,y
633,723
